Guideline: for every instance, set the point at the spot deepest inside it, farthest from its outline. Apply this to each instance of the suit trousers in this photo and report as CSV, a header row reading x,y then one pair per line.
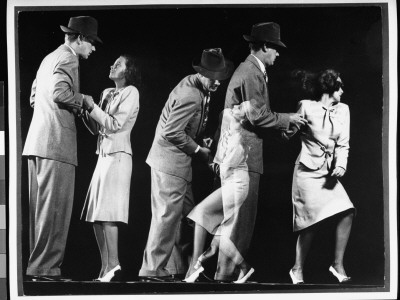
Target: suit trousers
x,y
171,201
51,195
241,231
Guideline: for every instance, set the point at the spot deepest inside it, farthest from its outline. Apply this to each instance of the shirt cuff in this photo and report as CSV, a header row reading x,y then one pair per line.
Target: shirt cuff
x,y
197,149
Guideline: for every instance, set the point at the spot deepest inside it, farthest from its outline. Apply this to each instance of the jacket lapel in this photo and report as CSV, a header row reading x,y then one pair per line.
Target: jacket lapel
x,y
252,60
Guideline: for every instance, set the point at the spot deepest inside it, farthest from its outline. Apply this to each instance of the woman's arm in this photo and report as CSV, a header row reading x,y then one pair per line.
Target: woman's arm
x,y
129,102
342,147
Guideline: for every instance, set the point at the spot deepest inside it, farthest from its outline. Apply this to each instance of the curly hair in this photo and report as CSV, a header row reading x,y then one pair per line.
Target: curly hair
x,y
327,82
317,84
132,73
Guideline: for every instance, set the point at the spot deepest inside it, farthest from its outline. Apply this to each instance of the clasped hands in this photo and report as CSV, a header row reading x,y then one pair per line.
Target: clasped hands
x,y
88,103
296,121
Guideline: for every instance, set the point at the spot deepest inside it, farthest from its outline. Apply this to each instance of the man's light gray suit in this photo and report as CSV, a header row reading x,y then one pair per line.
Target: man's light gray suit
x,y
52,157
179,127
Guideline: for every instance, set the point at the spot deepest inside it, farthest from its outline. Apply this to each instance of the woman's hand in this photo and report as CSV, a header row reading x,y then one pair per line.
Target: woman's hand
x,y
88,103
338,172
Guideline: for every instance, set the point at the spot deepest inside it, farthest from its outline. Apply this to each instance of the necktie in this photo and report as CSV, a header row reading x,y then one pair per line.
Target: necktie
x,y
206,109
265,76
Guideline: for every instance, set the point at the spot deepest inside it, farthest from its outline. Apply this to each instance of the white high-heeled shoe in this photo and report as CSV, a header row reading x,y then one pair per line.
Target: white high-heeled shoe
x,y
245,277
192,278
294,278
110,274
341,278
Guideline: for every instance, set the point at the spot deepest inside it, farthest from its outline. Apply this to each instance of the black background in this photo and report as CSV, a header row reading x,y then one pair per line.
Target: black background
x,y
165,40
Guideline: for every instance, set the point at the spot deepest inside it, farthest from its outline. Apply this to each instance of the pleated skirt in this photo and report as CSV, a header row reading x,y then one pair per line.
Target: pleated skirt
x,y
316,196
107,199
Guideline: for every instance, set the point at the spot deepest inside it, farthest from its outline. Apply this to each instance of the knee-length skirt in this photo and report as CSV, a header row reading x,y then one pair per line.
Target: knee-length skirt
x,y
316,196
107,199
222,206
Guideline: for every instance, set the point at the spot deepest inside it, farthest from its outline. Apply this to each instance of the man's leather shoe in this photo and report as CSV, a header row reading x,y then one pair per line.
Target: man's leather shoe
x,y
178,277
156,279
204,278
49,278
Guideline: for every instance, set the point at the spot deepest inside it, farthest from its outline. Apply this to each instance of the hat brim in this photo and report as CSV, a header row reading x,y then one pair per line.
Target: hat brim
x,y
251,39
70,30
215,75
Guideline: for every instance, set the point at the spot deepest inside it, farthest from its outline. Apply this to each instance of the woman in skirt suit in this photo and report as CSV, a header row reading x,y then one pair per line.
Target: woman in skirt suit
x,y
107,200
317,193
232,153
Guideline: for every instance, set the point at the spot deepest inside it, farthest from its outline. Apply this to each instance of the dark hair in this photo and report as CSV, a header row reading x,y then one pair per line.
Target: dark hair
x,y
132,73
71,36
256,46
317,84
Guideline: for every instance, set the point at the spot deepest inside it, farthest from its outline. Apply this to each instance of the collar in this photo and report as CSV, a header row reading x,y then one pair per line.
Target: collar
x,y
73,51
200,86
332,106
114,92
262,66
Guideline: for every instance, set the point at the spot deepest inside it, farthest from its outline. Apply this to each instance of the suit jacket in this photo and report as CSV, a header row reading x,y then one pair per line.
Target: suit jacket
x,y
326,136
178,128
54,97
114,125
248,84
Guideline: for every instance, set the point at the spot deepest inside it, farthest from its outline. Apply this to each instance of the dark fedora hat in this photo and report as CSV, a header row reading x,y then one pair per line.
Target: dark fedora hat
x,y
84,25
266,33
213,65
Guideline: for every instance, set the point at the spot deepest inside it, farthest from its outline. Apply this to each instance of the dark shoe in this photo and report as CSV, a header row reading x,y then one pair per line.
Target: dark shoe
x,y
177,277
49,278
156,279
204,278
224,281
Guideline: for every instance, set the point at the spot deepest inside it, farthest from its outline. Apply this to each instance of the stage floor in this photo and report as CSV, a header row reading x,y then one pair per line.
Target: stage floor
x,y
137,287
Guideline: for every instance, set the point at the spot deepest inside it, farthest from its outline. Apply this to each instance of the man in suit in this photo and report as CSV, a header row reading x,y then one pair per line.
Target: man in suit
x,y
51,147
177,140
250,82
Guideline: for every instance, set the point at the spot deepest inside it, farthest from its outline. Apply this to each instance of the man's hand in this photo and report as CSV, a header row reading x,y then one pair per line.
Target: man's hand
x,y
88,103
204,154
338,172
297,120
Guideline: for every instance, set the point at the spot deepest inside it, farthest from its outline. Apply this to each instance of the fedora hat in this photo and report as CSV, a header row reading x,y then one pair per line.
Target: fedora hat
x,y
84,25
266,33
213,65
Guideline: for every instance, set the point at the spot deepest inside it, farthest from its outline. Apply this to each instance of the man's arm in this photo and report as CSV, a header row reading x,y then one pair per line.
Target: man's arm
x,y
181,111
262,115
63,83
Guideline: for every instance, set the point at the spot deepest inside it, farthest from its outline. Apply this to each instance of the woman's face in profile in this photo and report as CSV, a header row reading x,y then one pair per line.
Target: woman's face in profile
x,y
338,94
118,69
238,112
